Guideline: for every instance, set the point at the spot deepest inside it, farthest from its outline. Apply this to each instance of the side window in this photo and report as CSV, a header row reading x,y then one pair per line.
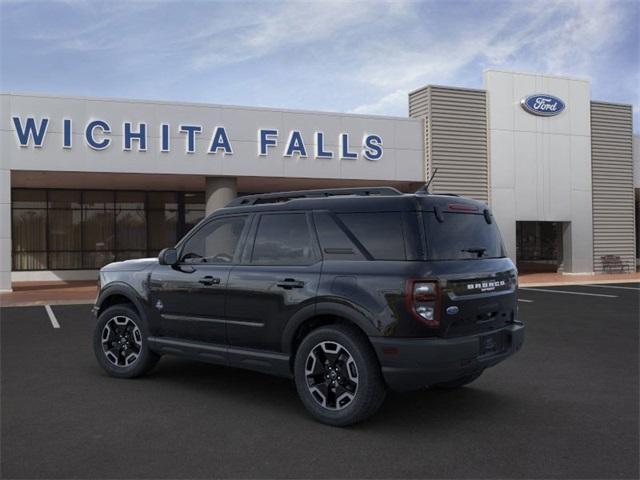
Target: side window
x,y
380,233
283,239
335,243
214,243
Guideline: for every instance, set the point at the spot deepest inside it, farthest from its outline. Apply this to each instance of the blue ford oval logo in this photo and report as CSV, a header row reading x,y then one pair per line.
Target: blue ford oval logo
x,y
542,104
452,310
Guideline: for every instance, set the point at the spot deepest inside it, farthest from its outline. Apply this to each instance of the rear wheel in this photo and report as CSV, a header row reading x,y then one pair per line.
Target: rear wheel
x,y
120,343
459,382
337,376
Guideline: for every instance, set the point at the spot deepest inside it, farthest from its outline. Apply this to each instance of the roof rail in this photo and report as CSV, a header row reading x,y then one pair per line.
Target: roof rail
x,y
286,196
442,194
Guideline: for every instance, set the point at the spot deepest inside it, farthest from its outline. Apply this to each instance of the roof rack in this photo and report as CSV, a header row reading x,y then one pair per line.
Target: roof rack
x,y
286,196
443,194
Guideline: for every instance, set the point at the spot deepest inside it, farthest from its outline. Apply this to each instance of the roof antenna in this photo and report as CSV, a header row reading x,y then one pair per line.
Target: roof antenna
x,y
425,188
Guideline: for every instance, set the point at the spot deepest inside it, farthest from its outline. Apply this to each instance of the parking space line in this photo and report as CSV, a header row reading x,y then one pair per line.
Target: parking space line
x,y
525,300
570,293
611,286
52,317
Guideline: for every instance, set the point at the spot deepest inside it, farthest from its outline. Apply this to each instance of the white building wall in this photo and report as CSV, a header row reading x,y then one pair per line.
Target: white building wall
x,y
540,167
403,158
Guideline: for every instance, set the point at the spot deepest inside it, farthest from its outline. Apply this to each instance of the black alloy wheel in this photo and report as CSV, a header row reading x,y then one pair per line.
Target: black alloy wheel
x,y
121,341
338,376
332,375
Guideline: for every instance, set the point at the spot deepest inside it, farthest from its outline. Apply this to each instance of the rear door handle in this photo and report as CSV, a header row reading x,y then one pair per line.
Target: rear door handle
x,y
209,280
289,283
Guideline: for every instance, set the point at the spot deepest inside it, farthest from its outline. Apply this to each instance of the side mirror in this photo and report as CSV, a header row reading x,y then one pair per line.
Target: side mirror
x,y
168,256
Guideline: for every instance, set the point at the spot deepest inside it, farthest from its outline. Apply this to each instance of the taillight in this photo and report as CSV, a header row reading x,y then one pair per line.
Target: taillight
x,y
423,300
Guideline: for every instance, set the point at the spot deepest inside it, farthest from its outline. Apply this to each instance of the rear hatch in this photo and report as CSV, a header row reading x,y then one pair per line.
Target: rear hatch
x,y
477,282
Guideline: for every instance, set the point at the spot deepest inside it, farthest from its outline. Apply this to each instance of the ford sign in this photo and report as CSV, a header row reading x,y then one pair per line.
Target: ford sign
x,y
543,105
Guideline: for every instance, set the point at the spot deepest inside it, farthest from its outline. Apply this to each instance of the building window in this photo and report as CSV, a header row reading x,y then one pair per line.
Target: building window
x,y
29,230
64,234
193,209
131,225
86,229
162,220
98,228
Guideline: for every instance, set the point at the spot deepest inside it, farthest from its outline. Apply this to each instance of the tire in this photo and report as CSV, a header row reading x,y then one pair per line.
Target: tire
x,y
121,329
347,389
459,382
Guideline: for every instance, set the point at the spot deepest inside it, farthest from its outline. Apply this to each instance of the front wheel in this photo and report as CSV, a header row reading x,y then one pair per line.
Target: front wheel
x,y
337,376
120,343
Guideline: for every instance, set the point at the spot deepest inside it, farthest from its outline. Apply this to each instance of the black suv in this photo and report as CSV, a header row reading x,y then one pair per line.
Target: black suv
x,y
347,291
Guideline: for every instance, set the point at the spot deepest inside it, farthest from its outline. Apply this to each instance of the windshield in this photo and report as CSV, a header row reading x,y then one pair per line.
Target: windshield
x,y
461,236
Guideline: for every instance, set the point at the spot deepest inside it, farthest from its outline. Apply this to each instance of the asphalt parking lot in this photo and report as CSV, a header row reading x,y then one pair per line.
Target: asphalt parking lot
x,y
565,406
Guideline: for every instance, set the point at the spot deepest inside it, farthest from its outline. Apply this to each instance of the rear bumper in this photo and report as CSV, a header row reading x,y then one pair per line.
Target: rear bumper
x,y
415,363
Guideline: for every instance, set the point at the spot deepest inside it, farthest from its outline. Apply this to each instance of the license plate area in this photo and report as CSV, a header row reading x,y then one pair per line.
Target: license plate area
x,y
493,344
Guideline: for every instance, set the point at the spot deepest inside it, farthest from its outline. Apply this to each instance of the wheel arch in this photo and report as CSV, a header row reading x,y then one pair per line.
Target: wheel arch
x,y
118,294
318,315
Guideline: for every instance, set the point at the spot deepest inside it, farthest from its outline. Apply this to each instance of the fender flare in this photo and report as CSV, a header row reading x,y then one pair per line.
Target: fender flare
x,y
125,290
349,313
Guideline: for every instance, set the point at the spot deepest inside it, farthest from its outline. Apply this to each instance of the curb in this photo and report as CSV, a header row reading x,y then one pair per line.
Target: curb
x,y
42,303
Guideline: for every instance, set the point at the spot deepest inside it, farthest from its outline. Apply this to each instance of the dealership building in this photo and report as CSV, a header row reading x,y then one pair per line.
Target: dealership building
x,y
87,181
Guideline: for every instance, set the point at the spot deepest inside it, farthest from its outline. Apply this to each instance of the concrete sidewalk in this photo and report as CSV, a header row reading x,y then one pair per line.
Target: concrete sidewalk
x,y
558,279
49,293
69,293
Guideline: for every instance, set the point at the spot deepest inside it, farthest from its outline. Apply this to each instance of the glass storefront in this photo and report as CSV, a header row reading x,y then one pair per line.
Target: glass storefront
x,y
538,246
86,229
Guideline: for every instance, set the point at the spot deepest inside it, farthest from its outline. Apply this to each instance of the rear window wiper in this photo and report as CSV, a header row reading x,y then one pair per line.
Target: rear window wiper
x,y
479,251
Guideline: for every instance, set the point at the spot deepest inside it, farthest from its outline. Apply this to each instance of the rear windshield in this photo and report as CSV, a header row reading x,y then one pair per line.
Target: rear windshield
x,y
461,236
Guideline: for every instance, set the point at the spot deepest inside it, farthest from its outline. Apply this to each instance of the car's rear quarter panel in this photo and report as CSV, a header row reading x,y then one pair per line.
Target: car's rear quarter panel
x,y
378,289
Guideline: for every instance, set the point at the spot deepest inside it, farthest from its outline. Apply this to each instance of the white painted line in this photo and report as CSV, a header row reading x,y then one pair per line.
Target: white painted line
x,y
571,293
525,301
612,286
569,283
52,317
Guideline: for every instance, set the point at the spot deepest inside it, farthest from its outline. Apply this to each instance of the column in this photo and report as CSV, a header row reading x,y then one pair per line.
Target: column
x,y
219,191
5,229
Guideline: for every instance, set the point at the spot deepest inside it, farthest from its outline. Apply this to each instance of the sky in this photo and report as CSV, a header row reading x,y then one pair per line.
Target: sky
x,y
344,56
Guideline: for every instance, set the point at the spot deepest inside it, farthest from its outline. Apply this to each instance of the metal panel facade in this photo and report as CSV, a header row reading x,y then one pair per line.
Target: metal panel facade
x,y
612,178
455,138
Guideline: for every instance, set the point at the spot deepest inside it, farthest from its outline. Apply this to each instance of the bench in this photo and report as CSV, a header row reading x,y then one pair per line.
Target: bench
x,y
613,263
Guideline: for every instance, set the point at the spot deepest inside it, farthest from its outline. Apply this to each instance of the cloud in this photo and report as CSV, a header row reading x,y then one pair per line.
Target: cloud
x,y
586,29
394,103
289,25
551,37
359,56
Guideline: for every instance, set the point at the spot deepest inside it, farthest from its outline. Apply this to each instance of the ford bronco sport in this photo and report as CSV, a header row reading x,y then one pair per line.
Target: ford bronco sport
x,y
346,291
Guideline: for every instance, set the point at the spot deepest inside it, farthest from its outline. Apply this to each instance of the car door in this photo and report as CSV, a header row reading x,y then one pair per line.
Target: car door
x,y
277,277
188,299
